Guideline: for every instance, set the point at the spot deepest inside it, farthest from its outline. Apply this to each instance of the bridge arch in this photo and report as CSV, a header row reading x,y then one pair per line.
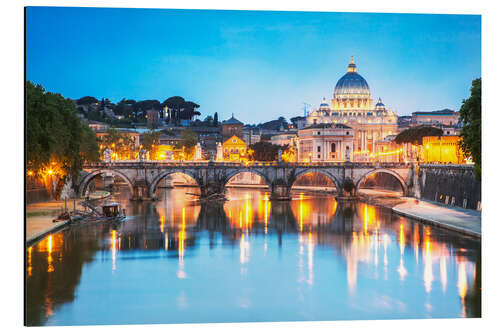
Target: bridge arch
x,y
166,173
335,180
235,172
396,175
84,183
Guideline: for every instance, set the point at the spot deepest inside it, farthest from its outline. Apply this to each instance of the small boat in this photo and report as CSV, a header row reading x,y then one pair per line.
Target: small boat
x,y
112,212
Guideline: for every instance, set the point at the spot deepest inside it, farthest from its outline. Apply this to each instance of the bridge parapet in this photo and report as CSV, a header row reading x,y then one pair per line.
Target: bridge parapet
x,y
212,177
159,164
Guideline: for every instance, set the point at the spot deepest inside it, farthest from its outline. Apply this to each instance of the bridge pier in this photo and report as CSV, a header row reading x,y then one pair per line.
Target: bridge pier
x,y
141,192
280,192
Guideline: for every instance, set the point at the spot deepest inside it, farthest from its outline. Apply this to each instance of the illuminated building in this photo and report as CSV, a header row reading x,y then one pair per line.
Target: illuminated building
x,y
445,117
98,126
324,142
130,133
442,149
234,149
352,105
285,138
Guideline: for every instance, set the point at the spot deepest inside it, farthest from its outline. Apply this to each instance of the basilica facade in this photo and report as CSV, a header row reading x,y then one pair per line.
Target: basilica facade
x,y
352,106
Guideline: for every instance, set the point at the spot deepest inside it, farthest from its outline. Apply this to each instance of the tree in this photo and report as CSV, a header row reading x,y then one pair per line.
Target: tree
x,y
415,134
208,120
174,104
178,109
264,151
189,139
470,116
87,100
188,111
120,143
89,146
57,143
151,141
216,119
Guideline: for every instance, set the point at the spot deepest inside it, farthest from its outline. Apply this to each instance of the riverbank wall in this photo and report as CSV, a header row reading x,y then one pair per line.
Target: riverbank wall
x,y
453,185
37,190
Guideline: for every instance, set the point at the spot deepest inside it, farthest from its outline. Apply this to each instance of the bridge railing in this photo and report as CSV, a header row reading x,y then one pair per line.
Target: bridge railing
x,y
163,164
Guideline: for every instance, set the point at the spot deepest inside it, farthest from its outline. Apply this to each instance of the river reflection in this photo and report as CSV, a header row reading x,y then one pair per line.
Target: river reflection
x,y
250,259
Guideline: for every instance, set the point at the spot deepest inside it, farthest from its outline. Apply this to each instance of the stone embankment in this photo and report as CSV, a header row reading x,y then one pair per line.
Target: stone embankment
x,y
464,221
40,216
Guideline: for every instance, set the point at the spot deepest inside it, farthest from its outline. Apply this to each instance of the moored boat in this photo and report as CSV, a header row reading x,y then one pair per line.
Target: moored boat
x,y
112,212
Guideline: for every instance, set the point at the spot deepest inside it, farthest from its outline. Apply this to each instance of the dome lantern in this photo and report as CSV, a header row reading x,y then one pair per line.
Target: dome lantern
x,y
352,66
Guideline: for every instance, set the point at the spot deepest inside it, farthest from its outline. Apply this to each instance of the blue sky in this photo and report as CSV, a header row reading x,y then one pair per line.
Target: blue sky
x,y
258,65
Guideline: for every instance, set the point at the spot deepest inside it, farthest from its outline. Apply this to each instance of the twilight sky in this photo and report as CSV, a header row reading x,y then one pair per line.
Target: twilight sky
x,y
259,65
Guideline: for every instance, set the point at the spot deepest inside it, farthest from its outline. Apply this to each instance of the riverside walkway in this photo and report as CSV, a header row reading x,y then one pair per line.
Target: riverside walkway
x,y
40,216
465,221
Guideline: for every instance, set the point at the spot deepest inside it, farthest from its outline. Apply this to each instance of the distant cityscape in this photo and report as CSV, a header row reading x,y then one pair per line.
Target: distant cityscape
x,y
348,127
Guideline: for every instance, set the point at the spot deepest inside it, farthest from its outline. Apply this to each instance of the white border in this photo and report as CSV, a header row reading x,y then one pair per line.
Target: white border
x,y
12,166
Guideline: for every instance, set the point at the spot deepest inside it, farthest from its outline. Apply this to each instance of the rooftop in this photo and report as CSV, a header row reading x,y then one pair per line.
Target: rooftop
x,y
232,121
435,113
327,126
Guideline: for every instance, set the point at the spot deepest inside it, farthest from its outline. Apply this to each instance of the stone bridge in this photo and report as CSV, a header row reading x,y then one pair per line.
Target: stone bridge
x,y
212,177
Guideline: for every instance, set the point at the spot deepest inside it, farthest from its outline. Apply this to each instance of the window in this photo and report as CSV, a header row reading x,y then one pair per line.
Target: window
x,y
346,133
319,156
319,149
333,147
315,121
319,133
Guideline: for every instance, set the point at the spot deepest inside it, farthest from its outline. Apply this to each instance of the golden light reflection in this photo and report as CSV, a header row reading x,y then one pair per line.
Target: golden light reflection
x,y
428,275
162,223
462,279
181,274
245,210
48,306
267,205
368,216
310,258
385,237
310,213
113,249
301,214
416,241
30,268
401,269
462,283
50,266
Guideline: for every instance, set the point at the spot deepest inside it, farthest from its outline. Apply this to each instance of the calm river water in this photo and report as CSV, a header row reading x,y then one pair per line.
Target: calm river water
x,y
174,261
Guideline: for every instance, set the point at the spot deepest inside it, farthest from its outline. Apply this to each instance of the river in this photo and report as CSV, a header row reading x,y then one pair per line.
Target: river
x,y
250,259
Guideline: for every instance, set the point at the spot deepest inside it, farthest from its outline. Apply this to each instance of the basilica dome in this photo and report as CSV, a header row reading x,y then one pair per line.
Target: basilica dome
x,y
351,85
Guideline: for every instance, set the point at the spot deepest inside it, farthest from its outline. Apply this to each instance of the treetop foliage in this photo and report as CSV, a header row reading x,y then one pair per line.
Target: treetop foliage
x,y
415,134
55,135
470,116
87,100
265,151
